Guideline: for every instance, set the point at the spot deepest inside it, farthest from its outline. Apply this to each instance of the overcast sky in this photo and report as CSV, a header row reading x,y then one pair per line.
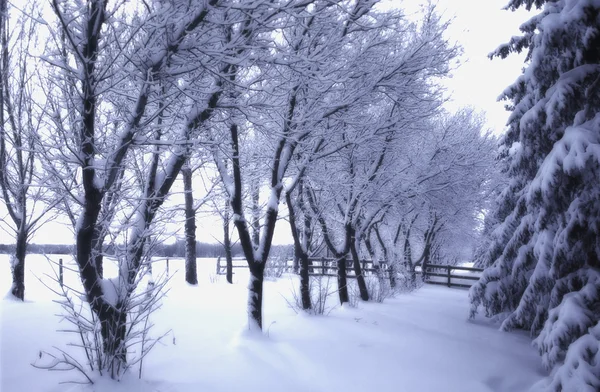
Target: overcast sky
x,y
479,26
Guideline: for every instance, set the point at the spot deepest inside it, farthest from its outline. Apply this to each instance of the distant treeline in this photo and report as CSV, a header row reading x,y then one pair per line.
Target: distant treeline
x,y
162,250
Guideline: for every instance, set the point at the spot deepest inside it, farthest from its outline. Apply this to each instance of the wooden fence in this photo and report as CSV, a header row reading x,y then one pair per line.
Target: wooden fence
x,y
318,266
322,266
443,275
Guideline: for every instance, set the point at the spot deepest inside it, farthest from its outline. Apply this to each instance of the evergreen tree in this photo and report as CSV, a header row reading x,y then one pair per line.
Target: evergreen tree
x,y
544,272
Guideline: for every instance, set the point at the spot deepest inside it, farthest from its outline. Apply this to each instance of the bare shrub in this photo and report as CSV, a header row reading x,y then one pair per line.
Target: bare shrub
x,y
276,266
138,306
379,288
321,291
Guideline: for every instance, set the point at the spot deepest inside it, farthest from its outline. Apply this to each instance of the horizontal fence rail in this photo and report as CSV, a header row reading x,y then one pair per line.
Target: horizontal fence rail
x,y
448,275
322,266
443,275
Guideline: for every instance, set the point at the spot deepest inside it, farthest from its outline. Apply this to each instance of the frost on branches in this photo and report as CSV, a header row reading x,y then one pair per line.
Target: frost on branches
x,y
544,252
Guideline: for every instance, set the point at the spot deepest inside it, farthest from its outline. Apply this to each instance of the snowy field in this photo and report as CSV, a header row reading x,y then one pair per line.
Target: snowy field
x,y
420,341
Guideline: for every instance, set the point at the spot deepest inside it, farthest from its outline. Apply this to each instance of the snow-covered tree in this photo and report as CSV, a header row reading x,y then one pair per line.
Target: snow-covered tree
x,y
133,87
22,188
315,82
544,256
442,176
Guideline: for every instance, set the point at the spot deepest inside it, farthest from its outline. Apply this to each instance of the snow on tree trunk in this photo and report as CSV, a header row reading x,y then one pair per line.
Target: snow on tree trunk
x,y
255,296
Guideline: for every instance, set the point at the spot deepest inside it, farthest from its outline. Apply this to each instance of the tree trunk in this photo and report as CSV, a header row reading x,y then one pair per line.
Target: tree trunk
x,y
360,278
305,282
255,193
342,280
191,275
392,273
296,263
390,263
227,245
255,295
113,323
18,266
299,255
376,264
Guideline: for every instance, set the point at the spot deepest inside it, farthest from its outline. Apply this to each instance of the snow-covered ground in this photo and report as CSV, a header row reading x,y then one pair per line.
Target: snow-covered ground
x,y
420,341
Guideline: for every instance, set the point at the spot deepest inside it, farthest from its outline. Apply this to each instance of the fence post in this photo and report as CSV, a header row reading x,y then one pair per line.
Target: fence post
x,y
167,267
218,264
448,269
60,272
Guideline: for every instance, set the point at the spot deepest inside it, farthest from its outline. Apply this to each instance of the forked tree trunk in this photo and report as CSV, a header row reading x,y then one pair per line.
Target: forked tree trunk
x,y
191,275
18,266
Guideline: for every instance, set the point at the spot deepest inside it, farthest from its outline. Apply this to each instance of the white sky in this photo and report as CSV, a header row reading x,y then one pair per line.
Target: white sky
x,y
479,26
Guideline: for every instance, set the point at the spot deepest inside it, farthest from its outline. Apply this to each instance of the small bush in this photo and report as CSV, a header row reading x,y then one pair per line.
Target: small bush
x,y
321,291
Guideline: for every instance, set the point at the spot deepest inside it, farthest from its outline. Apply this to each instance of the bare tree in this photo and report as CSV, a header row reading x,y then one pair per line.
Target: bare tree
x,y
21,181
317,96
112,71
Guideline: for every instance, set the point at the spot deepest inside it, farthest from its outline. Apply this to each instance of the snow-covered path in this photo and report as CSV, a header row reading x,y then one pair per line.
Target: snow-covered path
x,y
415,342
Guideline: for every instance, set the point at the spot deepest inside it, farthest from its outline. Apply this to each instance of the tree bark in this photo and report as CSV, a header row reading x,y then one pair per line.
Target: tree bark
x,y
18,267
376,264
360,278
299,254
191,275
391,263
227,245
342,280
113,328
228,259
255,295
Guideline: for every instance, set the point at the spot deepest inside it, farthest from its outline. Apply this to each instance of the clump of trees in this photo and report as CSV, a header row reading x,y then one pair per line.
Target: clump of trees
x,y
334,107
543,252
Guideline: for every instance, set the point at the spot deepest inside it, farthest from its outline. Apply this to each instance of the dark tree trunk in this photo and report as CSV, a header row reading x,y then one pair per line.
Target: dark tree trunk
x,y
18,268
305,282
391,263
255,294
191,275
296,263
299,254
113,328
255,193
342,280
360,279
227,245
376,264
98,256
